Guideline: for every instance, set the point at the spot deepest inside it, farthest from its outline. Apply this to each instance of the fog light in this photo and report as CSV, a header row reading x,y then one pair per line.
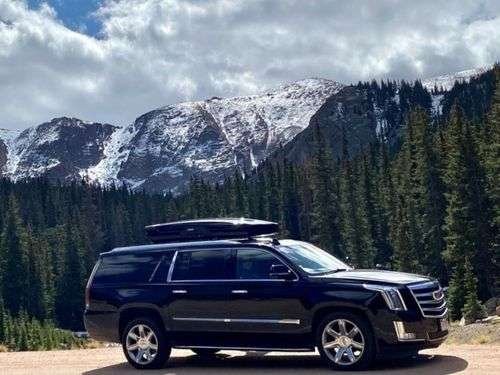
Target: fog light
x,y
402,334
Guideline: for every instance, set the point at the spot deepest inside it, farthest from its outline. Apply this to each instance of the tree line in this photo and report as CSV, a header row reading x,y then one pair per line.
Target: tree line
x,y
429,205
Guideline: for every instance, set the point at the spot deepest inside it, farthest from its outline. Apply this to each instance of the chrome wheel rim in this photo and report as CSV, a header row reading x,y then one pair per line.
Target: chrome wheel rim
x,y
343,342
141,344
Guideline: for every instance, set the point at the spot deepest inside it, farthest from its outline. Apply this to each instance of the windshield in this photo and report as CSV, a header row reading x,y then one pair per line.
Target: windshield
x,y
309,258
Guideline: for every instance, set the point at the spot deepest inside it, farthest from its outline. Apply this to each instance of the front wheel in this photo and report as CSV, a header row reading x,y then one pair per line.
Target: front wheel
x,y
345,341
144,344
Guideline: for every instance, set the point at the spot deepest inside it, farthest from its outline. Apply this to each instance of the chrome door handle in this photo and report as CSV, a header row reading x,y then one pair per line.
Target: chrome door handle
x,y
239,291
179,291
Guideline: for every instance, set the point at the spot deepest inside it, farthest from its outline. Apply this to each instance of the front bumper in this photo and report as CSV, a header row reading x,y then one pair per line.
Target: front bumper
x,y
423,332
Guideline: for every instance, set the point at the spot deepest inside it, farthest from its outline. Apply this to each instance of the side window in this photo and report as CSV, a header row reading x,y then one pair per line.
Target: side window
x,y
203,265
254,264
126,268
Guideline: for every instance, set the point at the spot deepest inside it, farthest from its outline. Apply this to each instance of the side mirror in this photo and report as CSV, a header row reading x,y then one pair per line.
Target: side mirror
x,y
280,271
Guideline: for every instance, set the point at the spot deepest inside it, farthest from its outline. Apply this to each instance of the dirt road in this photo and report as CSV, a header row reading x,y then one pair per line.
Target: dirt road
x,y
449,359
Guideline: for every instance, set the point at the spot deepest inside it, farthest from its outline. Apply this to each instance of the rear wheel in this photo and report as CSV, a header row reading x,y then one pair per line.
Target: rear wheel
x,y
144,344
345,341
205,352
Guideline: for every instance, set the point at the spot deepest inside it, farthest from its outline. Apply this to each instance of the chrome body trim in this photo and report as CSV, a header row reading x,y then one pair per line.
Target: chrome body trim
x,y
230,320
179,291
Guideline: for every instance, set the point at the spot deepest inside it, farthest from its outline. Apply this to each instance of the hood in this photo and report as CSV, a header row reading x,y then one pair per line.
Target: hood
x,y
378,276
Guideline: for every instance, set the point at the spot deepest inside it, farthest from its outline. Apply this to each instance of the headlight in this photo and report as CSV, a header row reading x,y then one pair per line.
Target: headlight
x,y
391,295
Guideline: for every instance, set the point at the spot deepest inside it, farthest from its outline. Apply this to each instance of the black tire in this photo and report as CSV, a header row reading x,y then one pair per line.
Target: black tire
x,y
363,358
205,352
163,350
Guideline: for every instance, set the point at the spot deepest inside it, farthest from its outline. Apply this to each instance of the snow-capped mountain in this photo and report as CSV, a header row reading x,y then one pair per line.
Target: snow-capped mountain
x,y
58,149
445,82
164,148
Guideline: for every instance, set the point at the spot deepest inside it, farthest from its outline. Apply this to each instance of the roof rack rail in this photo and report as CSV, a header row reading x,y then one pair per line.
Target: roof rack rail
x,y
210,230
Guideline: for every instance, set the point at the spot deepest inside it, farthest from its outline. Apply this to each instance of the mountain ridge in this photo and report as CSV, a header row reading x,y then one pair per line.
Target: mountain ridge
x,y
210,139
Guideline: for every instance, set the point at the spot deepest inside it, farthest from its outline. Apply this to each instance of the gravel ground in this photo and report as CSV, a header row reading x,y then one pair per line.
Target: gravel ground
x,y
476,333
448,359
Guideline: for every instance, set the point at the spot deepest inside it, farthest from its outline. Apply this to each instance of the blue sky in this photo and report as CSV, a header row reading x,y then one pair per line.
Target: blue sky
x,y
75,14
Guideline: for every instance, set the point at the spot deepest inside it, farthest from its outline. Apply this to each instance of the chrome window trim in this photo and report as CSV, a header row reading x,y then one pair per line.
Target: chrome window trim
x,y
171,268
231,320
172,265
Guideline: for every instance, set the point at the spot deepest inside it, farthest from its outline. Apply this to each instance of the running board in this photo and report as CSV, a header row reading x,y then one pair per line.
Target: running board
x,y
245,348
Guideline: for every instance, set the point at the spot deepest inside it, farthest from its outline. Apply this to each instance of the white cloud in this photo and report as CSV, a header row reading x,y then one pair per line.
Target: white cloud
x,y
155,52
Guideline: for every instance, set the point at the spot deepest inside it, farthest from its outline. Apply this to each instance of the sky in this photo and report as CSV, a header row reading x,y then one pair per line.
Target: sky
x,y
113,60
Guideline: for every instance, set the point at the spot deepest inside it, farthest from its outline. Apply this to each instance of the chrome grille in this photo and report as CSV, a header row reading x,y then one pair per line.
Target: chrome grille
x,y
430,299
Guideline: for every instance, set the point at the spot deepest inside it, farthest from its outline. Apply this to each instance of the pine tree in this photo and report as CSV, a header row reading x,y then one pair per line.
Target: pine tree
x,y
387,204
406,230
15,265
325,221
467,232
356,230
491,157
272,195
3,321
472,309
71,285
456,295
405,257
290,202
239,195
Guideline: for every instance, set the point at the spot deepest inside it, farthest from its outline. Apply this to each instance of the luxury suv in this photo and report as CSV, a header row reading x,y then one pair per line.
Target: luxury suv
x,y
209,285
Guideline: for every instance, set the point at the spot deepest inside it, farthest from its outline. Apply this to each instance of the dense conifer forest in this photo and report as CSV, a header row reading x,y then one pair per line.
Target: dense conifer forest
x,y
429,204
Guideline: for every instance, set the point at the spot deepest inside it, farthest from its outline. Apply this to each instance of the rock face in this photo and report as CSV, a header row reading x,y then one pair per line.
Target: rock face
x,y
6,137
59,149
348,114
3,155
164,148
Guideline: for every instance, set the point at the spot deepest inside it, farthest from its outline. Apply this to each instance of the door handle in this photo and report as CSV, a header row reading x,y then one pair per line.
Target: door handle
x,y
239,291
179,291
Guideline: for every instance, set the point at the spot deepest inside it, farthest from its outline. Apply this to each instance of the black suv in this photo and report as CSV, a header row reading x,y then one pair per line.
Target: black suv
x,y
219,284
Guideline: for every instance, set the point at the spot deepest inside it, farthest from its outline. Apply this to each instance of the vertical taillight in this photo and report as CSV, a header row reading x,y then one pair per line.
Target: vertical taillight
x,y
89,283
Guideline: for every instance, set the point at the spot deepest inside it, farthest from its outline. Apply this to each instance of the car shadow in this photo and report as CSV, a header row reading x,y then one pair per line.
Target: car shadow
x,y
253,363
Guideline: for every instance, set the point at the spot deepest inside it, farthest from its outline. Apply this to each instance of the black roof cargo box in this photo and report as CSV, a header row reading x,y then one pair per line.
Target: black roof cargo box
x,y
210,229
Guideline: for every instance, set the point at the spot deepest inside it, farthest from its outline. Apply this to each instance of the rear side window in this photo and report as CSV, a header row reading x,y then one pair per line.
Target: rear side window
x,y
203,265
127,268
